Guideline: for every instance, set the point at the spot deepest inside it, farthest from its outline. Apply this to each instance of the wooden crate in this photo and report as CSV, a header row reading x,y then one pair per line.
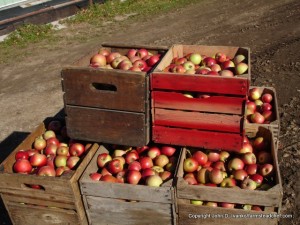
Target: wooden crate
x,y
179,51
133,204
275,124
57,202
215,122
107,105
270,199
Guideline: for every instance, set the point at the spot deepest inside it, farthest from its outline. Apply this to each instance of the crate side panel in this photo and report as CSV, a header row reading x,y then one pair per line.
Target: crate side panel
x,y
197,138
108,89
101,210
196,83
109,126
218,104
196,120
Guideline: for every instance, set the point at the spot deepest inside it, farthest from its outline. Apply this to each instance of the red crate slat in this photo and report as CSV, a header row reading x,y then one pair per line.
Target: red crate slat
x,y
196,120
206,84
197,138
217,104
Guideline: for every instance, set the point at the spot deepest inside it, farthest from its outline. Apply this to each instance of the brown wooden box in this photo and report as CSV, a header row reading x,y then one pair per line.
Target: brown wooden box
x,y
179,51
115,203
107,105
271,199
215,122
275,124
58,202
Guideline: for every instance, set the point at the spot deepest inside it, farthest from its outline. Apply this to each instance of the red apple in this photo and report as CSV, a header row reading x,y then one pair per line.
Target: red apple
x,y
227,65
216,176
165,175
153,152
267,98
72,161
239,174
254,94
213,156
133,177
251,169
102,159
264,157
226,73
178,69
109,178
114,166
131,53
95,176
228,182
140,64
220,57
46,171
200,157
248,184
21,154
249,158
235,164
22,166
142,53
77,149
146,162
38,160
266,170
147,172
209,61
161,160
112,56
153,60
53,140
190,165
227,205
104,52
219,165
168,150
98,60
258,179
257,118
135,165
62,170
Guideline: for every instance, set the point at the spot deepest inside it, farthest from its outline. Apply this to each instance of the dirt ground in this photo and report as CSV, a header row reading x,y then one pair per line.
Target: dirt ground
x,y
30,87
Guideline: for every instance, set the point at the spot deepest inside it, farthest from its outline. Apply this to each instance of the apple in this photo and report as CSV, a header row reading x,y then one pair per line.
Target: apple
x,y
147,172
203,176
118,152
178,69
161,160
140,64
146,162
239,174
215,73
241,68
114,166
114,64
267,98
142,149
22,166
249,158
219,165
213,156
211,204
153,152
38,160
131,53
50,150
62,170
113,55
126,64
248,184
102,159
48,134
105,171
52,140
266,107
142,53
98,60
247,207
254,94
196,202
259,143
21,154
235,164
135,165
46,171
190,165
190,180
62,150
195,58
153,60
31,152
256,208
203,71
269,116
133,177
104,52
60,160
227,205
131,156
200,157
224,155
220,57
180,61
264,157
251,106
72,161
165,175
246,147
77,149
109,178
154,181
251,169
216,68
216,176
157,169
189,65
227,65
168,150
226,73
258,179
55,125
95,176
228,182
239,58
257,118
266,169
209,61
39,143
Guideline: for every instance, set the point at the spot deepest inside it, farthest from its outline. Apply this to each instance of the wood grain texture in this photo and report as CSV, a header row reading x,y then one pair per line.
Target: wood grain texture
x,y
108,126
197,138
197,120
216,104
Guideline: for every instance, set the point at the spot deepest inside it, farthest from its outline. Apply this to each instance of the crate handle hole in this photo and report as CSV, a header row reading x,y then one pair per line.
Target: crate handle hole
x,y
103,87
34,186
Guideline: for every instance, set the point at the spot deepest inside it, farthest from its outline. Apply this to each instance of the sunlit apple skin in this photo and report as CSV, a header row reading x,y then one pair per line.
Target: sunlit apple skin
x,y
248,184
266,170
254,94
153,152
38,160
251,169
267,98
258,179
146,162
102,159
201,157
154,181
133,177
168,150
240,174
235,164
114,166
249,158
190,165
161,160
22,166
95,176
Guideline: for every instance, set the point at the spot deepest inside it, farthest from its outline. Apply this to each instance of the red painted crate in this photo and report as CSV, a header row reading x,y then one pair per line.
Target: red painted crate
x,y
215,122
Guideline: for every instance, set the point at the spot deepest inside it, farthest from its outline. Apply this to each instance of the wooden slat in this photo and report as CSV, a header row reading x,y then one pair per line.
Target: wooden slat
x,y
206,84
196,120
204,215
109,126
163,194
218,104
102,211
197,138
87,87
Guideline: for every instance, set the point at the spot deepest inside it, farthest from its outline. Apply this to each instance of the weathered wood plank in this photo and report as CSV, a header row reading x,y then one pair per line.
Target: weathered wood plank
x,y
216,104
108,126
197,120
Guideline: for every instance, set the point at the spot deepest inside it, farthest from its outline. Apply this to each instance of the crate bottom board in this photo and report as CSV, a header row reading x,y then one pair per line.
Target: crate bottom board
x,y
103,211
189,214
109,126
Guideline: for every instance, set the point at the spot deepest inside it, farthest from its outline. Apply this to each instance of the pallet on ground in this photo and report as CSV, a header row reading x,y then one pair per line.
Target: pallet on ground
x,y
193,110
108,105
57,202
133,204
270,199
273,125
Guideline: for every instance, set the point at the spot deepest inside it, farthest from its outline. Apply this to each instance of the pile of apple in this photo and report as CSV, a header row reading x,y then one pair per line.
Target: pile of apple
x,y
134,60
218,65
259,107
251,168
227,205
52,153
151,166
